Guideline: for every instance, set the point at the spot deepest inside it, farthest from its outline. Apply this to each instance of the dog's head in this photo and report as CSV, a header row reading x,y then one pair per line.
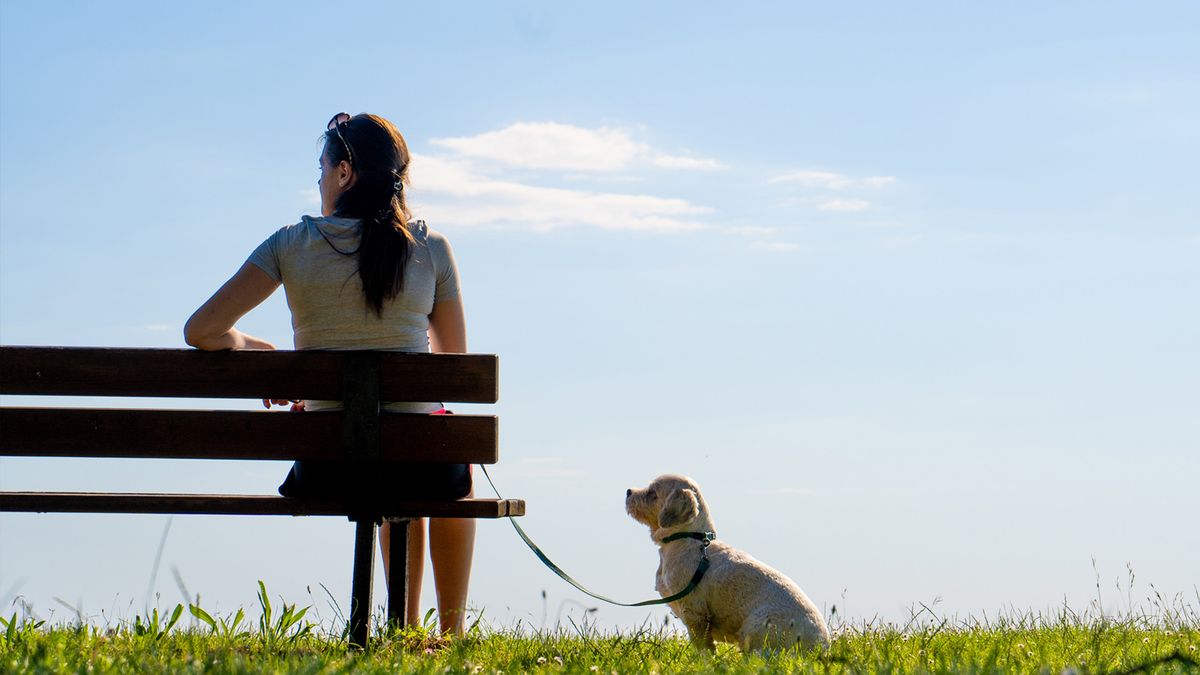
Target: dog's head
x,y
669,504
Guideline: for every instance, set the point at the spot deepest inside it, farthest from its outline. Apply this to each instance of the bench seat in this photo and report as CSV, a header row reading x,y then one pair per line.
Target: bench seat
x,y
249,505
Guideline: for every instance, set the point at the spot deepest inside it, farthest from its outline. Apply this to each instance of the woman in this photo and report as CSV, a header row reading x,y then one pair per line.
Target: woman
x,y
363,276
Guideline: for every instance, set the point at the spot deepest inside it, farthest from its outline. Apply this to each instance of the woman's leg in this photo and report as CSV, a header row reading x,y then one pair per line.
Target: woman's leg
x,y
416,563
451,547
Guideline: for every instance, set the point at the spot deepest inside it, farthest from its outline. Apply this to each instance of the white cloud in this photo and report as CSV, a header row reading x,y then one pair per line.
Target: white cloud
x,y
829,180
462,195
844,205
564,147
676,162
829,190
753,231
814,179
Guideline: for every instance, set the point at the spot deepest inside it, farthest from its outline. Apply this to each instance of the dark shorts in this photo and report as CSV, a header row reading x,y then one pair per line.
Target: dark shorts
x,y
311,479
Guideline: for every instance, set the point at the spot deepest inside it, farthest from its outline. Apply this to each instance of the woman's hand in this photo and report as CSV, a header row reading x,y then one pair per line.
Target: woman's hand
x,y
251,342
297,406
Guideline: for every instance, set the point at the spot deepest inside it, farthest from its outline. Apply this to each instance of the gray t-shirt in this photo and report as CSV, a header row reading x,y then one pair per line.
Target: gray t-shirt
x,y
325,294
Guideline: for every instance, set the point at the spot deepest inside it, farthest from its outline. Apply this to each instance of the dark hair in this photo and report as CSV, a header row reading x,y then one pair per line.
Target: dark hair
x,y
377,199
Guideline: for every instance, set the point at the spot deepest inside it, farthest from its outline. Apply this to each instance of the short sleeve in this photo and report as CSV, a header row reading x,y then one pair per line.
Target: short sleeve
x,y
444,268
266,256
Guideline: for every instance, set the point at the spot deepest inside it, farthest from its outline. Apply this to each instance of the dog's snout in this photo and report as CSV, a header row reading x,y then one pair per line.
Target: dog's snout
x,y
629,492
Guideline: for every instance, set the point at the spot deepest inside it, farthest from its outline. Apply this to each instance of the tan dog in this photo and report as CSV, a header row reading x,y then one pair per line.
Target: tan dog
x,y
738,599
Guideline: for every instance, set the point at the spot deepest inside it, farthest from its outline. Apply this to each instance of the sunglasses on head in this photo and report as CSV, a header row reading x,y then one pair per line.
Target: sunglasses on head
x,y
335,124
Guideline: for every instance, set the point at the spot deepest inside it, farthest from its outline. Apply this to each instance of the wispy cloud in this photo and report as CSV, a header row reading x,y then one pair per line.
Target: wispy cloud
x,y
462,194
813,179
752,230
564,147
844,205
827,190
828,180
680,162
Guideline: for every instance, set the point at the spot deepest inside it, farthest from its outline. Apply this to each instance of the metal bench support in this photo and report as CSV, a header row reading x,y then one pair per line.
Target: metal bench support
x,y
360,589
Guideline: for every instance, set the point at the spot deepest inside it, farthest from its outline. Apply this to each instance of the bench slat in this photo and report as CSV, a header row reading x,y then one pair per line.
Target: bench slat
x,y
190,373
238,434
260,505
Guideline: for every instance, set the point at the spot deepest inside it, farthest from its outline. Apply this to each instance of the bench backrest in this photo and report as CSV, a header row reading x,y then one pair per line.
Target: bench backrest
x,y
361,379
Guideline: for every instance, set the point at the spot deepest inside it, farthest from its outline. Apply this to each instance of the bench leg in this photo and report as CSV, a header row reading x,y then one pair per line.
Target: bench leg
x,y
397,582
360,593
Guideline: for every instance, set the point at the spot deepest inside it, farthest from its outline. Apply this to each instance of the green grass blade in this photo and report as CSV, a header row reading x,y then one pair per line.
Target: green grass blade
x,y
203,616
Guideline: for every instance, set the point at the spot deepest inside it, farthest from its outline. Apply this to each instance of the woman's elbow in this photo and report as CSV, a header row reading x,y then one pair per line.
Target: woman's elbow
x,y
190,335
195,335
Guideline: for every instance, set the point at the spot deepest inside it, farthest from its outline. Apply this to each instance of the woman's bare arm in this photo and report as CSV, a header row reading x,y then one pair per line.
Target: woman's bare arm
x,y
211,327
448,327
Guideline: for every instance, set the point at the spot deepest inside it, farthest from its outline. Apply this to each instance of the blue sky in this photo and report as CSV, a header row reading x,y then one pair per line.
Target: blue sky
x,y
909,289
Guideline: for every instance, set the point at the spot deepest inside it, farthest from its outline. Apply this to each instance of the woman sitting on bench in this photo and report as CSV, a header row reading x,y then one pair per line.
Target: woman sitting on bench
x,y
364,275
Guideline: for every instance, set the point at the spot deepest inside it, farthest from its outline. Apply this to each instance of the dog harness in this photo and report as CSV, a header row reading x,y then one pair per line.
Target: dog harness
x,y
705,539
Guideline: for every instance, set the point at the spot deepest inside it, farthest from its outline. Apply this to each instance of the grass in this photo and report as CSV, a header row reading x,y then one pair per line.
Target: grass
x,y
1165,641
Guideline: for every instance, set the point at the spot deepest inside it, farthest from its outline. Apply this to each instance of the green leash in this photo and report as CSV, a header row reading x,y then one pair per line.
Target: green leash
x,y
704,537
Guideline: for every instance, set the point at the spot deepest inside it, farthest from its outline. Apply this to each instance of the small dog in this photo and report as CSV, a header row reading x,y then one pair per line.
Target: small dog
x,y
739,599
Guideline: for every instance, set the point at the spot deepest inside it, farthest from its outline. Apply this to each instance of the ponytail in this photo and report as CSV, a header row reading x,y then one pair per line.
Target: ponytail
x,y
377,199
382,253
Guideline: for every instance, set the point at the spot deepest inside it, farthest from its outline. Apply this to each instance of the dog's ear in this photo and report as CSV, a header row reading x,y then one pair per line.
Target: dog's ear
x,y
678,508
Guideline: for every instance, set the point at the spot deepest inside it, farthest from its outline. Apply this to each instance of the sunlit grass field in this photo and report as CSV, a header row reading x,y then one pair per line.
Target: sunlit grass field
x,y
278,638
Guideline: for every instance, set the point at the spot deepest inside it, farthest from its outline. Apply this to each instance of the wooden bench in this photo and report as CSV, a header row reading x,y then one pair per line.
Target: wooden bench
x,y
360,434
